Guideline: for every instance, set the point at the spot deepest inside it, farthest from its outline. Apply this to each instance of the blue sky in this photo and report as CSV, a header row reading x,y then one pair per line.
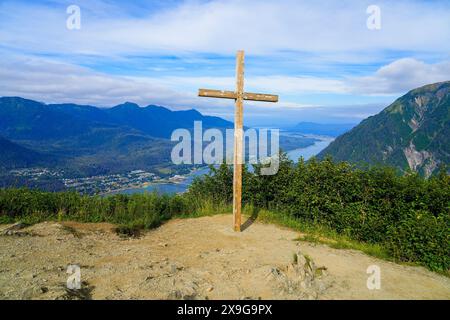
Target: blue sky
x,y
319,56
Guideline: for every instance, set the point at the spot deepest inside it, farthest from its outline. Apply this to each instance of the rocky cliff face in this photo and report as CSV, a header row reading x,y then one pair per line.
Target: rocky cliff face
x,y
413,132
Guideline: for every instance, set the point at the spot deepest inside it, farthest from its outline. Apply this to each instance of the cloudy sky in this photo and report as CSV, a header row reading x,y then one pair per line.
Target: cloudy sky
x,y
319,56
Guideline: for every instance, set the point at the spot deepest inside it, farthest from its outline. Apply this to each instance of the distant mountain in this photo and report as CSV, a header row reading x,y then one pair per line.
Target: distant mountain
x,y
86,140
27,119
324,129
159,121
14,156
413,132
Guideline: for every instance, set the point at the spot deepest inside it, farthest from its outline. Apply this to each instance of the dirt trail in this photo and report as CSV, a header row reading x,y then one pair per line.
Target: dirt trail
x,y
199,258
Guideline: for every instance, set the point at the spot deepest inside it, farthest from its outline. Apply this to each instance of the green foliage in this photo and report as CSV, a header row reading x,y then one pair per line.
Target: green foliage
x,y
421,237
419,119
135,211
405,218
86,141
408,215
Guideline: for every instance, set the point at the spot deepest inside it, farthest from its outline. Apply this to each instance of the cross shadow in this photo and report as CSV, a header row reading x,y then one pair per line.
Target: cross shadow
x,y
250,220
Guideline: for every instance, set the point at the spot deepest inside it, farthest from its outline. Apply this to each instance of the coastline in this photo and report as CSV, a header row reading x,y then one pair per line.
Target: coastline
x,y
306,153
166,181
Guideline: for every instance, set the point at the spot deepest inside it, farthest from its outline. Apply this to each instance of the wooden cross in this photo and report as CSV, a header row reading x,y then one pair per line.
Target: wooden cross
x,y
239,96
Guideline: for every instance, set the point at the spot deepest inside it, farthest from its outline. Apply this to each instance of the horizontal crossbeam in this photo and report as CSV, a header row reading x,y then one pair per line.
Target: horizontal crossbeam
x,y
217,94
260,97
232,95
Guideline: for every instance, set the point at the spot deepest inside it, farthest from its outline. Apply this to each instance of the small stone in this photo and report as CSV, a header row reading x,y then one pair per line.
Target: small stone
x,y
311,269
31,275
320,286
176,294
304,284
173,268
312,296
210,289
290,268
301,260
189,293
17,226
31,292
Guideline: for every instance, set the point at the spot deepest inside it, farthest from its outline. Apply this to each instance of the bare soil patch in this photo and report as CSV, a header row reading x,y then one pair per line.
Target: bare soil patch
x,y
200,258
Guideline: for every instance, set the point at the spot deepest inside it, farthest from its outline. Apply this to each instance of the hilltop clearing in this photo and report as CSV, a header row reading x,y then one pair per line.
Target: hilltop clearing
x,y
198,258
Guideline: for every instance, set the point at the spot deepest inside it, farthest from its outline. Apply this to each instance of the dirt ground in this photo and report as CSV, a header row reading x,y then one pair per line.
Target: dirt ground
x,y
199,258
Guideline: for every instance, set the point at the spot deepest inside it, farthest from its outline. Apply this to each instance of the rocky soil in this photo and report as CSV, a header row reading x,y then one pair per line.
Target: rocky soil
x,y
198,258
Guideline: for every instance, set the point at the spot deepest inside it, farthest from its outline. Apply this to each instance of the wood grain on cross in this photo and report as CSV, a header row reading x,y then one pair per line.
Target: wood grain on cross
x,y
239,96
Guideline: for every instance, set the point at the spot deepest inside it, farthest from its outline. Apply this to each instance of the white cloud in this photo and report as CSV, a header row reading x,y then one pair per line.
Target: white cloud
x,y
308,32
55,82
395,78
260,27
50,81
400,76
275,83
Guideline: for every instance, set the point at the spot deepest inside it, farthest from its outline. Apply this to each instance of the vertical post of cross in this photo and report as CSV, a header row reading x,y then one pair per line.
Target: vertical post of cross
x,y
239,96
238,142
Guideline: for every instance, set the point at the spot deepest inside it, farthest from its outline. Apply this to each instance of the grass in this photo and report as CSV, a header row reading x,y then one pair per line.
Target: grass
x,y
322,235
314,233
130,225
150,211
208,208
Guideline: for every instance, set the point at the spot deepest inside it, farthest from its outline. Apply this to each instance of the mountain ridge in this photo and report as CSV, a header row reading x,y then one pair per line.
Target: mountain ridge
x,y
411,133
86,140
15,156
156,121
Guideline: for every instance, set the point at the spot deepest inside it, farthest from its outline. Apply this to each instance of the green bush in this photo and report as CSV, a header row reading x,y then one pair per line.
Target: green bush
x,y
146,210
421,237
406,214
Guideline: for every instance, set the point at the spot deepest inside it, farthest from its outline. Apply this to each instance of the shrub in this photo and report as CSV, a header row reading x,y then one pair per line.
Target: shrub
x,y
408,215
